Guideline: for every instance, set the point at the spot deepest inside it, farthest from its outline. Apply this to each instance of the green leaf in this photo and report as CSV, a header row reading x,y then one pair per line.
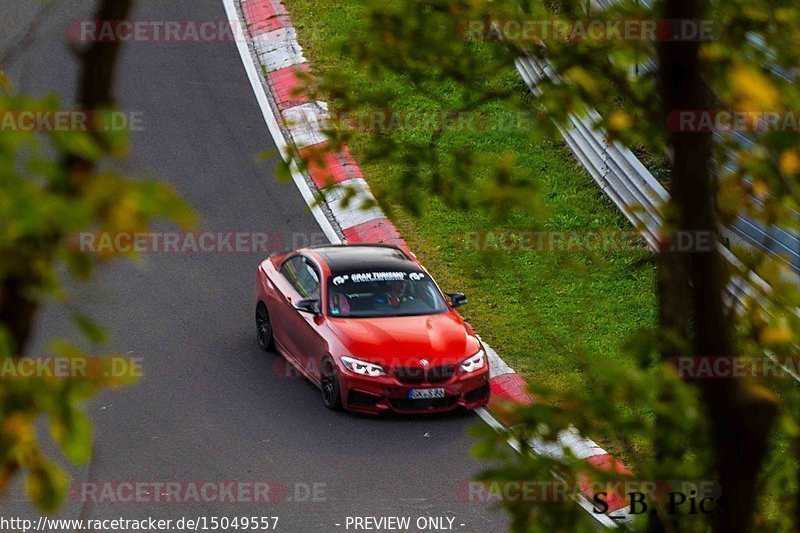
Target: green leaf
x,y
93,331
79,144
73,432
282,172
46,485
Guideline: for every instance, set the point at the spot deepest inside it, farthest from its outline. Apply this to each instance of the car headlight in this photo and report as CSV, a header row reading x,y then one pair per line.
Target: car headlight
x,y
476,362
362,367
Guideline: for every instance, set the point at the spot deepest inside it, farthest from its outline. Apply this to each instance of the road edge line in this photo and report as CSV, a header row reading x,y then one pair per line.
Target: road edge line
x,y
272,124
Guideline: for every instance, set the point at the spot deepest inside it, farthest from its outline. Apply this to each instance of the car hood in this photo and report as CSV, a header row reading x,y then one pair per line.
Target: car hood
x,y
398,341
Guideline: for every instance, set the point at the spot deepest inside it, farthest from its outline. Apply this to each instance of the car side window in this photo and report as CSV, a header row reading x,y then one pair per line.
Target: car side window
x,y
302,275
289,268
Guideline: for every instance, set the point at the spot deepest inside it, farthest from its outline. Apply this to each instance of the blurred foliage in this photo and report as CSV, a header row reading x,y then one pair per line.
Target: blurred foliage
x,y
53,186
754,44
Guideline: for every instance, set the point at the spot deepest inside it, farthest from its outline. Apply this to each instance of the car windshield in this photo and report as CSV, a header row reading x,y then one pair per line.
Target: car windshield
x,y
383,294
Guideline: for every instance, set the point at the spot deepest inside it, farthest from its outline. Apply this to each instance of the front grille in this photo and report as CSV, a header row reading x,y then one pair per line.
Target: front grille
x,y
413,376
407,404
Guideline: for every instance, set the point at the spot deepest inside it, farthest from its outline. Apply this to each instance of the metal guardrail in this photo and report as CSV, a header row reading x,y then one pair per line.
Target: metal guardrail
x,y
636,192
615,169
778,241
629,185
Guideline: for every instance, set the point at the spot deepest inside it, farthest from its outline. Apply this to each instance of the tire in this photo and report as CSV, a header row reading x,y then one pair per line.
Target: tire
x,y
266,340
331,391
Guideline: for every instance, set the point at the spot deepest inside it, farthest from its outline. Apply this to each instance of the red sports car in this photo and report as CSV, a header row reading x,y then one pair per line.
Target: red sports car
x,y
369,326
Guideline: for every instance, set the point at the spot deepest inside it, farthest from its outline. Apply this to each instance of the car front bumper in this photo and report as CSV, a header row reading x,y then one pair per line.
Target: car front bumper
x,y
386,394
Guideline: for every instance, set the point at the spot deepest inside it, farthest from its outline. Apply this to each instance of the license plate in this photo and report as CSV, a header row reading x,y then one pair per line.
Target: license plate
x,y
426,394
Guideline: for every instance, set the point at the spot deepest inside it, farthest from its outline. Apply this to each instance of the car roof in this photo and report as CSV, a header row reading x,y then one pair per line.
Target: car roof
x,y
365,257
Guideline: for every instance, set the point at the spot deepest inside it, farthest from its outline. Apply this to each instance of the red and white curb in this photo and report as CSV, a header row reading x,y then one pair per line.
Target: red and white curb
x,y
273,60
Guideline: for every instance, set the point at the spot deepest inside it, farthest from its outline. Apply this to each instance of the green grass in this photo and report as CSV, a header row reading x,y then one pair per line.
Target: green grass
x,y
541,311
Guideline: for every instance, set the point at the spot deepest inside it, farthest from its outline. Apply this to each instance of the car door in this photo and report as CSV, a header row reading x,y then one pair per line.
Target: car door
x,y
302,329
281,306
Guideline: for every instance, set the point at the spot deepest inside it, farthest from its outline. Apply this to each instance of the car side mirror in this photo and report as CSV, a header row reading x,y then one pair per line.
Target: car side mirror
x,y
457,298
308,306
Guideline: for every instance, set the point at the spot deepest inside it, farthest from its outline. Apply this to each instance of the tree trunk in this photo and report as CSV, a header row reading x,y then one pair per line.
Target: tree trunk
x,y
673,314
740,418
19,301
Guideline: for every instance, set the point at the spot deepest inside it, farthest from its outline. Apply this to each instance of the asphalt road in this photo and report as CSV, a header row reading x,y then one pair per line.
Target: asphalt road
x,y
210,405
